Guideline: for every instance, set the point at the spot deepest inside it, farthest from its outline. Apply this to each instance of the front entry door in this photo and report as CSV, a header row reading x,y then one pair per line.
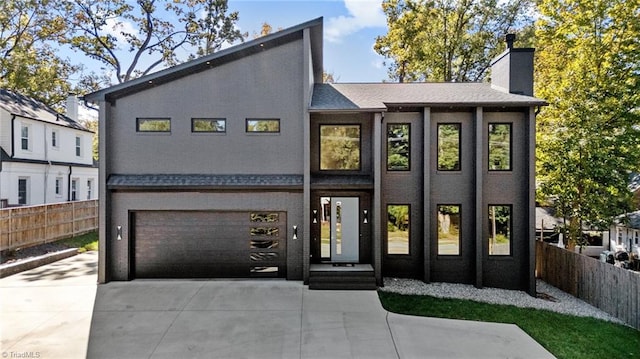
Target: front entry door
x,y
340,232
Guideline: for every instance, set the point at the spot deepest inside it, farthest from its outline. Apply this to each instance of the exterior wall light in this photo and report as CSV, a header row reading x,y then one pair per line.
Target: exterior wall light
x,y
295,232
119,233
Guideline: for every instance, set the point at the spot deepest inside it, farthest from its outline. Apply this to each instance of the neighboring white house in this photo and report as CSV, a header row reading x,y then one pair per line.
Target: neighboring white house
x,y
45,156
625,233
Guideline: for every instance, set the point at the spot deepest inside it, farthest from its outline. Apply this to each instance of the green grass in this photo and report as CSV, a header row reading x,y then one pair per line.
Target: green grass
x,y
565,336
85,242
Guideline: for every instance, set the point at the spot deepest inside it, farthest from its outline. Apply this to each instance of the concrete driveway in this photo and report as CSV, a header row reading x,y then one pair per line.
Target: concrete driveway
x,y
57,311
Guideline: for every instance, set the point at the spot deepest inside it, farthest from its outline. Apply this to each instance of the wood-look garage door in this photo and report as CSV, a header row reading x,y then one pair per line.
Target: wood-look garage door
x,y
201,244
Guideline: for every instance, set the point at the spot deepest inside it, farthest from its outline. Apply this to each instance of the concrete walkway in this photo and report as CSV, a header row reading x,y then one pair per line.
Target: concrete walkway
x,y
57,311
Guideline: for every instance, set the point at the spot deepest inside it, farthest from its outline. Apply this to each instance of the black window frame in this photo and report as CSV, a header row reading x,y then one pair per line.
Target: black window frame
x,y
386,244
397,169
247,130
510,226
138,119
23,191
194,119
360,159
510,124
459,205
459,164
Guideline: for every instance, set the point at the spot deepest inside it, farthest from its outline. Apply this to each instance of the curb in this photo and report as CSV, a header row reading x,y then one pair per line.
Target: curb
x,y
21,266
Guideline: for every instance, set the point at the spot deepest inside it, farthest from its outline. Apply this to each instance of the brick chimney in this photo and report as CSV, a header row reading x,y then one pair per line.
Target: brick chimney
x,y
72,106
512,71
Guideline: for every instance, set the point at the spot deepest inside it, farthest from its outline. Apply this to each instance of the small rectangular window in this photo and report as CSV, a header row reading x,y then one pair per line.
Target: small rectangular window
x,y
448,230
398,229
24,136
448,147
89,188
263,125
153,125
205,125
499,146
398,148
59,186
499,230
340,147
54,139
23,191
78,146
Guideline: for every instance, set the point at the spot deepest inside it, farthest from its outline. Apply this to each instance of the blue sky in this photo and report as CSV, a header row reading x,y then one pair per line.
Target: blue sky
x,y
350,30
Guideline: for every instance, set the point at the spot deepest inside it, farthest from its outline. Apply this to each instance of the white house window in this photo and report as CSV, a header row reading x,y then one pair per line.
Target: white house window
x,y
23,190
24,137
74,190
78,146
89,188
59,186
54,139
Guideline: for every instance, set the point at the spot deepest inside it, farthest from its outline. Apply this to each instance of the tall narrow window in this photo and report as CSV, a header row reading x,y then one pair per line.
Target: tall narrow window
x,y
24,137
340,147
398,149
499,230
74,190
89,188
263,126
153,125
499,146
54,139
22,191
398,229
208,125
449,230
448,147
78,146
59,186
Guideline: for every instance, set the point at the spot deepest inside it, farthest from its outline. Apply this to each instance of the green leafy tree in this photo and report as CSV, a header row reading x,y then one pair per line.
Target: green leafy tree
x,y
448,40
132,39
29,64
588,69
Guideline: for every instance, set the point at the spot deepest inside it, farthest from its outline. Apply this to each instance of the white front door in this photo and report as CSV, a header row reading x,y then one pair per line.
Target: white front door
x,y
344,231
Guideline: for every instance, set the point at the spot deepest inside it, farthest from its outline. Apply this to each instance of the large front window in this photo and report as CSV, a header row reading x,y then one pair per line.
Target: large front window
x,y
398,229
398,148
340,147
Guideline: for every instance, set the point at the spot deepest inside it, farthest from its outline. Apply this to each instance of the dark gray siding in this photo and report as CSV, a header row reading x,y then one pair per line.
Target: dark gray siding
x,y
265,85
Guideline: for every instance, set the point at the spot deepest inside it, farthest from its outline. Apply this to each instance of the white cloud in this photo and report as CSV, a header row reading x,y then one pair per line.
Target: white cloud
x,y
116,28
362,14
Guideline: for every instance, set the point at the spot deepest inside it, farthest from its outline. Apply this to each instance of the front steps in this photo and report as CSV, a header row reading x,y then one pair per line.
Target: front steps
x,y
342,277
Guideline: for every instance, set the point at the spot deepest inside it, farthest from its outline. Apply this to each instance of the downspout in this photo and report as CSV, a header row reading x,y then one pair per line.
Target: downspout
x,y
13,140
69,184
48,166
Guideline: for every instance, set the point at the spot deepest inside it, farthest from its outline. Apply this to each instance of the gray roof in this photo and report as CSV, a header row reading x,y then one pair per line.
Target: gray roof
x,y
547,216
380,96
202,181
634,182
633,218
27,107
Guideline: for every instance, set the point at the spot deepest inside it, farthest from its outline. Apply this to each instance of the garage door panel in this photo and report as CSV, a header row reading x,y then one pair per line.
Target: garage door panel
x,y
198,244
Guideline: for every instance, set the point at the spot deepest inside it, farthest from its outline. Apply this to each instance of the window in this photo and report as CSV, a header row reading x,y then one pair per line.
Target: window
x,y
340,147
499,146
59,182
263,126
398,229
153,125
24,136
208,125
89,188
448,147
499,230
74,190
78,146
448,230
398,149
54,139
23,184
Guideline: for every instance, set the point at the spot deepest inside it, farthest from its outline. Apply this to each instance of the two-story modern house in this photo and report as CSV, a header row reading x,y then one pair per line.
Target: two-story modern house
x,y
45,156
244,164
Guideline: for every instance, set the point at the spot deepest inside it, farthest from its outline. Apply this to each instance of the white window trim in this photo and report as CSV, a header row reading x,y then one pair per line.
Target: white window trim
x,y
59,189
28,127
78,146
56,145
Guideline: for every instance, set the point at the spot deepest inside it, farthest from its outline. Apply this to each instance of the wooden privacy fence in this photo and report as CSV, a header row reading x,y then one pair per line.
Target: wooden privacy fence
x,y
612,289
22,227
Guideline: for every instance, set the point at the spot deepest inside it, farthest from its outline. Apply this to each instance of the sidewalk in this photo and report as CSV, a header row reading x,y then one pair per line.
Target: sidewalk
x,y
57,311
